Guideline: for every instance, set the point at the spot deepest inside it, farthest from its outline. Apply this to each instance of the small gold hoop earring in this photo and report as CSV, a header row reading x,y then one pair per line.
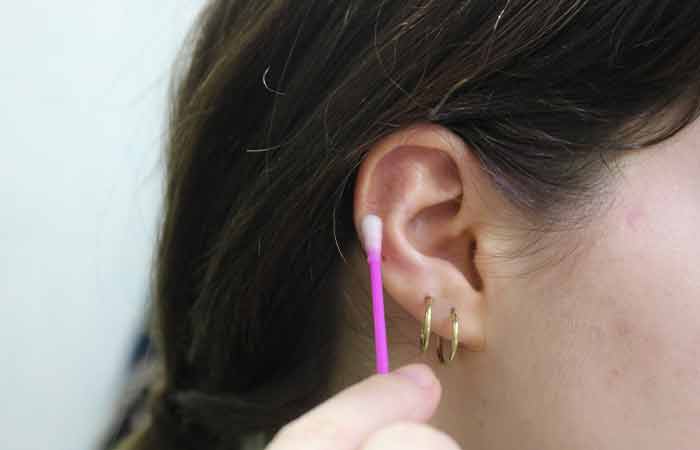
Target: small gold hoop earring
x,y
425,330
455,339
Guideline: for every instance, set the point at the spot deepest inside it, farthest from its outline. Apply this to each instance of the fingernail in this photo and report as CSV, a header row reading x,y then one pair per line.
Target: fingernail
x,y
419,374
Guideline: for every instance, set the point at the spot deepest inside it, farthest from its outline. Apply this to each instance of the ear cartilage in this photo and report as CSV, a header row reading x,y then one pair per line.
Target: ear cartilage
x,y
372,242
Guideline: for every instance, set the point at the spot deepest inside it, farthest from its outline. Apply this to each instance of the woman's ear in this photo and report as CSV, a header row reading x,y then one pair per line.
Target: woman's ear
x,y
436,204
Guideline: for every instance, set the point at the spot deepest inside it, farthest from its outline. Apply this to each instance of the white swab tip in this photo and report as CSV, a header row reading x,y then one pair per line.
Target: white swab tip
x,y
372,232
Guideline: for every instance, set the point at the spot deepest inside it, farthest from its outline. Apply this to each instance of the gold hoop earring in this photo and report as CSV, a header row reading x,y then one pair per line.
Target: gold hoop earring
x,y
455,339
425,330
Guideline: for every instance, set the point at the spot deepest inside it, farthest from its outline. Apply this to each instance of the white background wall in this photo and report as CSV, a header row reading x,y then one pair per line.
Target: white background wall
x,y
82,92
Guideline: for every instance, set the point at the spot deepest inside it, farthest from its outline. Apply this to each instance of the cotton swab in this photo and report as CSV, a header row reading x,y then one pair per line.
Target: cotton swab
x,y
372,241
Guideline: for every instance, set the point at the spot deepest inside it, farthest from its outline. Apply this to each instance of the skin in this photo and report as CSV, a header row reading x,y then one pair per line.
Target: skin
x,y
591,342
366,416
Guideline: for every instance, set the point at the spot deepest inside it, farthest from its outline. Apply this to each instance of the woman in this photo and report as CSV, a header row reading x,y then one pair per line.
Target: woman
x,y
535,164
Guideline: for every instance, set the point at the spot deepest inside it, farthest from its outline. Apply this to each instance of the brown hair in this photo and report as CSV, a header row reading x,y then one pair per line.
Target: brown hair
x,y
275,107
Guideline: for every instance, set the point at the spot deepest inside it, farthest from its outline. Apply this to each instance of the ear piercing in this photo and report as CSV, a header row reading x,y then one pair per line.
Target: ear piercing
x,y
425,332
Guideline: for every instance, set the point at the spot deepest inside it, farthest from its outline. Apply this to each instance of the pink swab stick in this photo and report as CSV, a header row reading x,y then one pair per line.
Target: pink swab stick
x,y
372,240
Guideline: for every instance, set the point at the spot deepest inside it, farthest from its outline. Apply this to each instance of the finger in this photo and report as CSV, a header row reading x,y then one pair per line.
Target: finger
x,y
410,436
344,421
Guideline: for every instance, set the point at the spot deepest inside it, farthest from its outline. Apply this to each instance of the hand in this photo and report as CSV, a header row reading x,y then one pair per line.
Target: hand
x,y
384,411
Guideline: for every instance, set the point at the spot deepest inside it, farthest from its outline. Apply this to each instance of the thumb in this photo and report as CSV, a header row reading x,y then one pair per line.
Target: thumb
x,y
345,420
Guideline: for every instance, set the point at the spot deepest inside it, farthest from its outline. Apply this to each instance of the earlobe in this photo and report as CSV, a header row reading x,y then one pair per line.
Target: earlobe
x,y
427,188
